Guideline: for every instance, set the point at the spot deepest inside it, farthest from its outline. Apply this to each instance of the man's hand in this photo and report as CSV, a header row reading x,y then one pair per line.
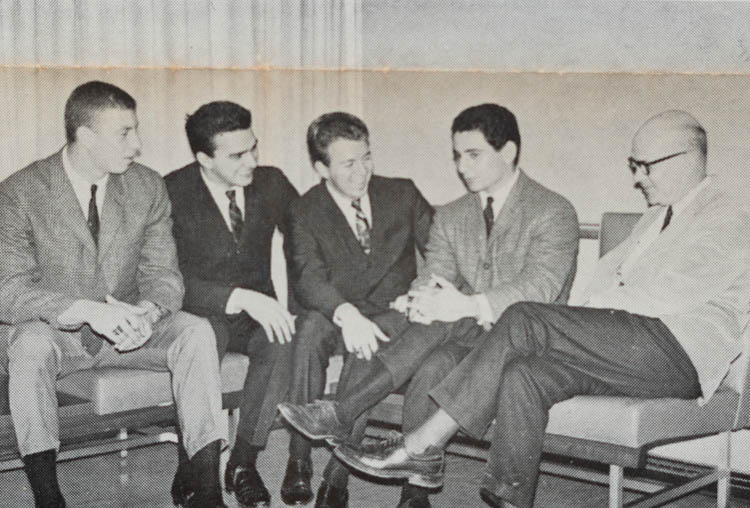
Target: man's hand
x,y
361,335
439,300
126,328
277,322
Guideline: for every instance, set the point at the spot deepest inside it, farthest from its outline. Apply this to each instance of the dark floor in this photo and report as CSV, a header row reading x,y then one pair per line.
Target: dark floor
x,y
143,480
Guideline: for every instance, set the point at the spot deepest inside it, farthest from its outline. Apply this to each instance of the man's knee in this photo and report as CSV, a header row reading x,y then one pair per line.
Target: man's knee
x,y
31,344
434,369
194,333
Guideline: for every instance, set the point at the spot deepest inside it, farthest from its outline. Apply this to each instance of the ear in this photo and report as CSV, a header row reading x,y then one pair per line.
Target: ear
x,y
84,135
204,160
322,169
508,152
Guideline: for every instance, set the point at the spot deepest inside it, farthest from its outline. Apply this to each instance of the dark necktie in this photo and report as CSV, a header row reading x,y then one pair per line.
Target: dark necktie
x,y
667,218
363,227
93,218
489,215
235,217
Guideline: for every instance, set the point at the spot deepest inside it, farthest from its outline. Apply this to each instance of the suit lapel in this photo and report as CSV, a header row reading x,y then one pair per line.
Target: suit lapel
x,y
379,207
339,224
67,205
113,213
509,212
253,209
207,210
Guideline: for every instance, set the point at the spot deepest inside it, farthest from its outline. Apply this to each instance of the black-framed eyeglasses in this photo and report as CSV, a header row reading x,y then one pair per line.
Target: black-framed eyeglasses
x,y
635,164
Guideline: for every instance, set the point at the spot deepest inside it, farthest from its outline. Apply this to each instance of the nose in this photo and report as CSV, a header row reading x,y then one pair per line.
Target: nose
x,y
639,177
249,159
135,143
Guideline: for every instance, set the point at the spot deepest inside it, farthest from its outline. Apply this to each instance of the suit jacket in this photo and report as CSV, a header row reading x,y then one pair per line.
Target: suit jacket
x,y
49,258
694,277
210,262
330,267
530,253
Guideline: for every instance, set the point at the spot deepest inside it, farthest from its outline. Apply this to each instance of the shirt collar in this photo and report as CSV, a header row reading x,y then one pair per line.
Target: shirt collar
x,y
75,177
500,195
345,202
685,200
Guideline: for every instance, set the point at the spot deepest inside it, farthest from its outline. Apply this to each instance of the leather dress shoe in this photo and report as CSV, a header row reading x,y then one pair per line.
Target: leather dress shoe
x,y
330,496
390,459
316,420
492,500
247,485
182,490
295,489
415,502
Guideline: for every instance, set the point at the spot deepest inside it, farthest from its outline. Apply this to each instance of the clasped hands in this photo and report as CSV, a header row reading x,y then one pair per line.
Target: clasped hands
x,y
438,300
126,326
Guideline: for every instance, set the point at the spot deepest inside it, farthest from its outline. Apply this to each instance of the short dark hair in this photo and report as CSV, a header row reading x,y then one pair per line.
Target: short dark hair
x,y
90,98
212,119
328,128
497,123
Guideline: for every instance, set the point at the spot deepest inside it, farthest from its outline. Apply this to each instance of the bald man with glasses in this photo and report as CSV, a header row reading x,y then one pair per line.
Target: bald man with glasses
x,y
662,317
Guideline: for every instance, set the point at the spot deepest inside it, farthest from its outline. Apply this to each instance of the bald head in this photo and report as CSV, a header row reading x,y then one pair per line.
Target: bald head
x,y
671,133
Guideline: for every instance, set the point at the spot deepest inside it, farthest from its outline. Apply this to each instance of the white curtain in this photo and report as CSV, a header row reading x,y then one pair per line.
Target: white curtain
x,y
287,60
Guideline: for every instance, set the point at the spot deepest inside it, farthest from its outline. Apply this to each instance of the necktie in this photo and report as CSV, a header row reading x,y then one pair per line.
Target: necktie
x,y
489,215
667,218
93,218
235,217
363,227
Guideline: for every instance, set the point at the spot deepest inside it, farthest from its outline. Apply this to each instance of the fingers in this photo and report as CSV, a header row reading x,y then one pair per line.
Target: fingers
x,y
129,307
379,335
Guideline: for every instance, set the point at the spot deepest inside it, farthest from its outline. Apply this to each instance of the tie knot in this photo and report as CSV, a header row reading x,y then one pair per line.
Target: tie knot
x,y
490,200
357,205
230,195
93,190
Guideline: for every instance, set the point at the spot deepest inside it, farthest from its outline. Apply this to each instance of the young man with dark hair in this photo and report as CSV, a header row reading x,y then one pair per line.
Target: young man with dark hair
x,y
225,209
89,279
355,239
508,239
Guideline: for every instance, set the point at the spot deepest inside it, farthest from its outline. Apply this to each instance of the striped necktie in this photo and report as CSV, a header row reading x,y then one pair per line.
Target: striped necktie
x,y
363,226
489,216
235,216
93,218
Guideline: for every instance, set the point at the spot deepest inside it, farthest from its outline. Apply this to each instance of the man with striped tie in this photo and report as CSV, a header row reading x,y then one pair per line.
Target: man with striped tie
x,y
225,209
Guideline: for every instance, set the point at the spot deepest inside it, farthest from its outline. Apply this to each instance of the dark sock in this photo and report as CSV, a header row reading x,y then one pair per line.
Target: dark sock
x,y
205,472
409,491
299,446
243,453
356,399
336,474
41,470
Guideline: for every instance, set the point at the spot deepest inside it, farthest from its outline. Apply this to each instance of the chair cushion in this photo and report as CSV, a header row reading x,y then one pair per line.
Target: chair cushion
x,y
636,422
114,389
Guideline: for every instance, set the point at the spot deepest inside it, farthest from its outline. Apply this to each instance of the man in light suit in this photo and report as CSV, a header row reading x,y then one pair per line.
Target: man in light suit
x,y
225,209
662,317
89,279
508,239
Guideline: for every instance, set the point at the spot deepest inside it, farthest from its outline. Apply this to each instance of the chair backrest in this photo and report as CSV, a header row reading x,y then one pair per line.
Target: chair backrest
x,y
615,228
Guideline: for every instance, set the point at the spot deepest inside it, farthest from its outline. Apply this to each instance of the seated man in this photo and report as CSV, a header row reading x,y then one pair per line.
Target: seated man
x,y
89,279
507,239
355,239
662,317
225,209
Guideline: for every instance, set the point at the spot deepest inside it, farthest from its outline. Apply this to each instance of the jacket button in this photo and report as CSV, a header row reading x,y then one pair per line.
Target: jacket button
x,y
486,266
621,284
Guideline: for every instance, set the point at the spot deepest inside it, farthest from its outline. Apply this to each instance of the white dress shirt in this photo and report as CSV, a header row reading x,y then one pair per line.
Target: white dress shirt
x,y
82,187
218,191
345,205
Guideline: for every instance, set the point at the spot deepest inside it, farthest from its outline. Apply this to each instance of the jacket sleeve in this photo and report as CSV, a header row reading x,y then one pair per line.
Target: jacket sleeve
x,y
159,278
311,281
25,295
440,257
549,264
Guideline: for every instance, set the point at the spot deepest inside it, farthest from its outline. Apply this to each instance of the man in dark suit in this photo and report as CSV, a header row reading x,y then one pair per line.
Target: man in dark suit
x,y
89,279
508,239
355,238
225,209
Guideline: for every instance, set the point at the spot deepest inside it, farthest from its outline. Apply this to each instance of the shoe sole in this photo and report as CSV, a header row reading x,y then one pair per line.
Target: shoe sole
x,y
298,420
429,481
